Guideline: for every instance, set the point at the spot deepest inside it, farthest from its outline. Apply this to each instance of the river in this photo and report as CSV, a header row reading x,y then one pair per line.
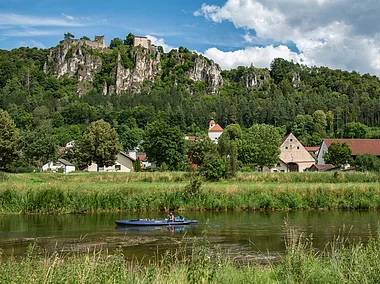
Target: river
x,y
247,234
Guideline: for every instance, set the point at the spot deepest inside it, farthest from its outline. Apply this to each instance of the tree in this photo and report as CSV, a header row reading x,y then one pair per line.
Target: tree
x,y
200,148
100,144
8,139
39,145
164,145
68,36
214,167
339,154
367,162
116,42
355,130
129,136
260,146
228,145
129,39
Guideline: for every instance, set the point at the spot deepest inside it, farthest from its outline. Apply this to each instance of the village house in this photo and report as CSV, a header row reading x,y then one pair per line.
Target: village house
x,y
124,163
358,147
61,165
293,156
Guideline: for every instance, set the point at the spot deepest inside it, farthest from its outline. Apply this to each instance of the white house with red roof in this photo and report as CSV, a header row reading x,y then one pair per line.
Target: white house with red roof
x,y
358,147
214,131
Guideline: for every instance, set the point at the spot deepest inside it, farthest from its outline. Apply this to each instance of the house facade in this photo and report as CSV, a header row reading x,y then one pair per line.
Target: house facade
x,y
293,156
358,147
124,163
214,131
60,165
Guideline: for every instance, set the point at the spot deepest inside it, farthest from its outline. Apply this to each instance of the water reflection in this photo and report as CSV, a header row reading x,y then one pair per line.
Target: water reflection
x,y
247,233
151,228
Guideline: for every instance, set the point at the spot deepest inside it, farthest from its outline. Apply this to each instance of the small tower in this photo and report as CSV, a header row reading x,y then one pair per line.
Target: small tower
x,y
211,124
214,131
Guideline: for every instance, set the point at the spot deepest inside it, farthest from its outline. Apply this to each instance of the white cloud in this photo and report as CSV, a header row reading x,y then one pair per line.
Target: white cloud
x,y
335,33
69,17
257,56
268,23
160,42
10,19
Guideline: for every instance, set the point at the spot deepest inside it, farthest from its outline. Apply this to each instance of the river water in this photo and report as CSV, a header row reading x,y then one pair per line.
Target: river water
x,y
247,234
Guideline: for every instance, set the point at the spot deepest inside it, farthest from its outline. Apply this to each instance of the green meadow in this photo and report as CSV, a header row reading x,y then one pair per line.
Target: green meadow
x,y
96,192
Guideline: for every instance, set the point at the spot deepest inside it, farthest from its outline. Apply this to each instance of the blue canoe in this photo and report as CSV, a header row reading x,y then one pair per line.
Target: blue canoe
x,y
144,222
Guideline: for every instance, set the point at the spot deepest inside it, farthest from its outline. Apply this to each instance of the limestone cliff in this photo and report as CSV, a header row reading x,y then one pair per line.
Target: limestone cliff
x,y
93,64
207,71
75,59
131,79
255,78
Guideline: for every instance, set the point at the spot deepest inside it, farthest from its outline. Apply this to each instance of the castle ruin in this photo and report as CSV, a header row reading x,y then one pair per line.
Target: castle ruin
x,y
144,42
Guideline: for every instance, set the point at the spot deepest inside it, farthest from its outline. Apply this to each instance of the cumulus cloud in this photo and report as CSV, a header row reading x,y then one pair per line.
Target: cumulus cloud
x,y
335,33
160,42
257,56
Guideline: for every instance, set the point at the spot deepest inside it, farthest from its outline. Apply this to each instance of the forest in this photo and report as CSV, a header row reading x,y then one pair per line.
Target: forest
x,y
311,102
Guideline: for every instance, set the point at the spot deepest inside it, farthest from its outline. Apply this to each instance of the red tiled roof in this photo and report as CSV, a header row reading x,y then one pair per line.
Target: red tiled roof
x,y
284,138
324,167
141,156
359,146
312,148
215,128
190,138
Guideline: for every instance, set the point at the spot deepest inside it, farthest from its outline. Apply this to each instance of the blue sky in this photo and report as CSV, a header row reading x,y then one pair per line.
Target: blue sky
x,y
340,34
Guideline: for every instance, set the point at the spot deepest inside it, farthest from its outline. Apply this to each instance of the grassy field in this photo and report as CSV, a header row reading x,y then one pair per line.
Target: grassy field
x,y
94,192
340,262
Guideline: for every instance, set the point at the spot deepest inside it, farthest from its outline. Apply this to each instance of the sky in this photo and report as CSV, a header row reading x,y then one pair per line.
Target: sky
x,y
339,34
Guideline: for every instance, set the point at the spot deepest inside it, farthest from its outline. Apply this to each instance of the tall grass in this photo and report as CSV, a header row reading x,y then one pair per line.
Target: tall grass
x,y
341,262
60,193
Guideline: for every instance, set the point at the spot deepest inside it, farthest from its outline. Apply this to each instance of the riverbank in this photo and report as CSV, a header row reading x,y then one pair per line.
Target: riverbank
x,y
340,262
97,192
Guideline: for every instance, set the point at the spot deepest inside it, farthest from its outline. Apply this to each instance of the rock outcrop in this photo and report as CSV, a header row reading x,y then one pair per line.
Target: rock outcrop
x,y
83,59
131,79
73,58
205,70
255,78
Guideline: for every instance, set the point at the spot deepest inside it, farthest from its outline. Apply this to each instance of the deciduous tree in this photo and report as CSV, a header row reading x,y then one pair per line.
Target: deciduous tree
x,y
164,145
339,154
39,145
260,146
100,144
367,162
8,139
200,148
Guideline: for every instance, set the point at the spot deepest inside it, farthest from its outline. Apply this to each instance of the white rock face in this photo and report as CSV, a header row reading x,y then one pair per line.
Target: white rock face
x,y
255,78
146,68
207,71
82,59
72,59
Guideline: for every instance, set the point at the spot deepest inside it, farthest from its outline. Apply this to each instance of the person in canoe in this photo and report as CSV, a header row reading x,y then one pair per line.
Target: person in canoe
x,y
171,216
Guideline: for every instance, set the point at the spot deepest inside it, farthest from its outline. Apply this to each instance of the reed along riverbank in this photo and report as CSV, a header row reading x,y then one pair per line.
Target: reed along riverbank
x,y
96,192
340,262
